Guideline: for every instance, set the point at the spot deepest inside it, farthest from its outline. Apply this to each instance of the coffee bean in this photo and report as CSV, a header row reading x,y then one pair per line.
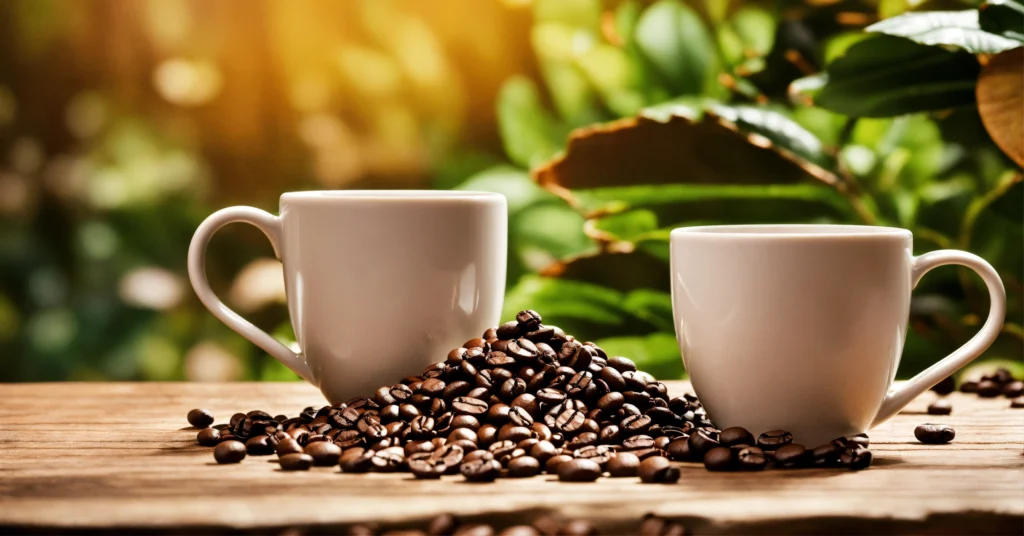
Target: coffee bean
x,y
679,449
480,470
827,455
940,407
859,440
773,439
735,435
969,387
622,364
286,446
989,389
792,455
208,437
934,434
324,453
1017,402
508,330
229,452
635,424
551,466
855,458
703,440
578,470
1013,389
719,459
199,418
295,462
427,468
658,470
523,467
259,446
751,459
529,320
638,442
570,420
469,406
623,464
946,386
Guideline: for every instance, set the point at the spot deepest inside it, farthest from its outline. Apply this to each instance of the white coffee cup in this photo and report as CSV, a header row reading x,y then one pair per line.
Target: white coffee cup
x,y
380,283
801,327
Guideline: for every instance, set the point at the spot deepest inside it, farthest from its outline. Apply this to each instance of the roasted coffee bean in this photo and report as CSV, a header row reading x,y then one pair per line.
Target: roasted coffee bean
x,y
703,440
551,466
969,387
529,320
199,418
523,467
287,446
480,470
658,470
259,446
513,433
989,389
570,420
735,436
855,458
295,462
469,406
643,454
622,364
427,468
940,407
465,421
388,460
791,456
229,452
679,449
508,330
635,424
551,396
415,447
773,439
610,435
511,388
208,437
946,386
751,459
451,455
543,451
719,459
858,440
324,453
1017,403
421,427
1013,389
934,434
356,460
623,464
578,470
638,442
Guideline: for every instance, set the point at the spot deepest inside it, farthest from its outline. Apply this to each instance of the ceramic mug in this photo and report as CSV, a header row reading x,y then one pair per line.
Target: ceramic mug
x,y
380,283
801,327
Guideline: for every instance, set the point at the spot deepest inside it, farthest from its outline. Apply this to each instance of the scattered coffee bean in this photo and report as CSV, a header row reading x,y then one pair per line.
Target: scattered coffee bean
x,y
774,439
934,434
259,446
658,470
1013,389
735,435
946,386
679,449
791,456
579,470
969,387
208,437
1017,402
989,389
324,453
200,418
523,467
827,455
551,466
940,407
480,470
751,459
623,464
295,462
229,452
703,440
356,460
719,459
427,468
855,458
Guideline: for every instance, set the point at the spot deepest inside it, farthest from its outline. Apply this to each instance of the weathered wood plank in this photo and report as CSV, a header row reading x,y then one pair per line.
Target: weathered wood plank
x,y
108,456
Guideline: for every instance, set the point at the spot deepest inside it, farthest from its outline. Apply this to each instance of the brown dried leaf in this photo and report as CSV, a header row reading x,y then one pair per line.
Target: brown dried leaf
x,y
1000,95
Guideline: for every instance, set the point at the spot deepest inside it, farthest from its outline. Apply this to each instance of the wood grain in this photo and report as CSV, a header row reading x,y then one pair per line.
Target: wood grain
x,y
101,456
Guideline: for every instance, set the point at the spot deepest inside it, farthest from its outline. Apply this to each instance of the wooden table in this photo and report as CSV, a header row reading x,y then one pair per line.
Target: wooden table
x,y
104,456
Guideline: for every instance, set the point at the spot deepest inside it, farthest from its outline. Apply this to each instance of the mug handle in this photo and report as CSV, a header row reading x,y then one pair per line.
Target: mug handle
x,y
897,400
271,227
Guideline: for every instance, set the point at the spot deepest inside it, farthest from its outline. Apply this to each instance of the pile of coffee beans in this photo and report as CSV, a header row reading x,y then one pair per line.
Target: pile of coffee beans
x,y
445,524
999,383
522,399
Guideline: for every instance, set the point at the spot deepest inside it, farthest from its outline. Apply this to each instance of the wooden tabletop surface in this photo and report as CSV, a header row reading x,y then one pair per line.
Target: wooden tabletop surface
x,y
104,456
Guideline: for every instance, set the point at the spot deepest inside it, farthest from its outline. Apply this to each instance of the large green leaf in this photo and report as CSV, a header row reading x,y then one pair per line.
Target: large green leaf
x,y
615,199
886,76
1003,17
947,28
673,38
527,131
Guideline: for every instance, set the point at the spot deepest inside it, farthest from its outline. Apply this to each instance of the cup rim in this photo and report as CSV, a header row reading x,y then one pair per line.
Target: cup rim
x,y
390,195
789,231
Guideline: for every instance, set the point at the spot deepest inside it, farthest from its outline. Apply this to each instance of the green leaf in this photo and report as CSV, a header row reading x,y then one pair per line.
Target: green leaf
x,y
1003,17
627,226
782,131
545,233
614,199
626,16
527,131
578,13
673,38
886,76
755,27
652,306
945,28
656,354
513,183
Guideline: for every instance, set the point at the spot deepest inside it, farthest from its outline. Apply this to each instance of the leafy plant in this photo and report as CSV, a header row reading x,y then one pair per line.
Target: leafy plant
x,y
670,115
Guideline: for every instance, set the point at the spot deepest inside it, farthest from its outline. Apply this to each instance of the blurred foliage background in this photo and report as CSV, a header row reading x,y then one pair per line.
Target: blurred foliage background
x,y
606,123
